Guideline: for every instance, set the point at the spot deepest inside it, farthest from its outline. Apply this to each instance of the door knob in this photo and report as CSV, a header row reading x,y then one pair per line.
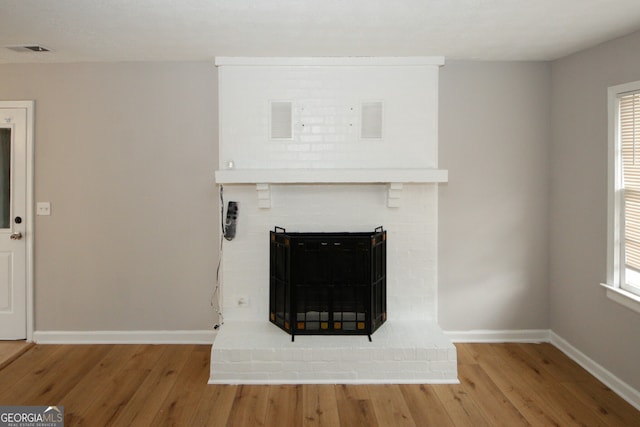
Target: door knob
x,y
16,236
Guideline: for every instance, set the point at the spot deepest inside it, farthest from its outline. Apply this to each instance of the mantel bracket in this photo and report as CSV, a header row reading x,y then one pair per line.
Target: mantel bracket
x,y
394,192
264,196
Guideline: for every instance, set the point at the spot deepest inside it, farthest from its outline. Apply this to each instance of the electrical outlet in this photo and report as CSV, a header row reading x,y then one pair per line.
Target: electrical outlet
x,y
242,301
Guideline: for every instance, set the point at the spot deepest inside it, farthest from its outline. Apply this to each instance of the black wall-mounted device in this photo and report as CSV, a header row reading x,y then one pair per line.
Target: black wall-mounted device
x,y
231,221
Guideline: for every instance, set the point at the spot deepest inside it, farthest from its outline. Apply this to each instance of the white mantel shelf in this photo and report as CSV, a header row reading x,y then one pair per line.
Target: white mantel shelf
x,y
394,178
330,176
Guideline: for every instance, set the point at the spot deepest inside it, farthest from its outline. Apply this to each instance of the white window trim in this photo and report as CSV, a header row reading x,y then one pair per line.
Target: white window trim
x,y
619,295
615,255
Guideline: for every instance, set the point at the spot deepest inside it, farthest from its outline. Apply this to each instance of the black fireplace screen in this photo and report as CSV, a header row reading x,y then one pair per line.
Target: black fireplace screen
x,y
328,283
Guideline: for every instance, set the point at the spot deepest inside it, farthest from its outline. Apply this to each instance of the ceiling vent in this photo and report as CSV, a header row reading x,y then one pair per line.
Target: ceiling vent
x,y
29,48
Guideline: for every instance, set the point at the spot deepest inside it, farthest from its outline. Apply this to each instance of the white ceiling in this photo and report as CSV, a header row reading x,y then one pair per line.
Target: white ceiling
x,y
176,30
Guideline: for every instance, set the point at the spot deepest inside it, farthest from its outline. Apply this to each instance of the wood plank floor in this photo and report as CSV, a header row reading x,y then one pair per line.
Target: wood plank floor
x,y
162,385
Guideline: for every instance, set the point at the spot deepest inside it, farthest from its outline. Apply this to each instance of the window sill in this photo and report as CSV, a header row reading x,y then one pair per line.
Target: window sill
x,y
627,299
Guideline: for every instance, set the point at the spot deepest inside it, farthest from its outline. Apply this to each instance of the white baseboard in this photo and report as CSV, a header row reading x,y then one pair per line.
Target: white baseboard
x,y
124,337
621,388
489,336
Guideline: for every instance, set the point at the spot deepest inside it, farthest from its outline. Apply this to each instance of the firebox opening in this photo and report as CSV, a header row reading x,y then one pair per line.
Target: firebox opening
x,y
328,283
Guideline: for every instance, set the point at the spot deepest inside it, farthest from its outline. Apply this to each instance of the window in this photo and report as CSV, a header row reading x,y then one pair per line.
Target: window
x,y
623,262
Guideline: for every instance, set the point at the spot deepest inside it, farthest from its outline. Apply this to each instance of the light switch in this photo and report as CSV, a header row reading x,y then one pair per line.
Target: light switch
x,y
43,208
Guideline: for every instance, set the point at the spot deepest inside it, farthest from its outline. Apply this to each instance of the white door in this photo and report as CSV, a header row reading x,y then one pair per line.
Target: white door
x,y
13,221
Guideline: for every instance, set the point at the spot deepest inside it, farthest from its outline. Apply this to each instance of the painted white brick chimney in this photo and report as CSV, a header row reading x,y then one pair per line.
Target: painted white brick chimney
x,y
331,144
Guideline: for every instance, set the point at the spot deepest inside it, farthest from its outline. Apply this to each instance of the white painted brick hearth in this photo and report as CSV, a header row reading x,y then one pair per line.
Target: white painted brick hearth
x,y
401,352
409,347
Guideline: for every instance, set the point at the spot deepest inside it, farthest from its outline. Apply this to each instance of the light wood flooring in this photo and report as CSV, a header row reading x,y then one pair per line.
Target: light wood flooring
x,y
158,385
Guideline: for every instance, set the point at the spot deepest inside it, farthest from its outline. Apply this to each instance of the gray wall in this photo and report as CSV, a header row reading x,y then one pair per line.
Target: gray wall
x,y
125,153
580,311
493,212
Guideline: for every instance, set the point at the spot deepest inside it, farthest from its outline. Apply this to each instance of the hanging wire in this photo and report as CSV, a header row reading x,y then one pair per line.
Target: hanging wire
x,y
216,298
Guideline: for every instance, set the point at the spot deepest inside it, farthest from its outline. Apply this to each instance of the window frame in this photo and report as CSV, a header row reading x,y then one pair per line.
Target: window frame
x,y
617,288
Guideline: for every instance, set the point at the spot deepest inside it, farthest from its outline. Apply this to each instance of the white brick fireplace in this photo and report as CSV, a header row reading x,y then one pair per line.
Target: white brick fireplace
x,y
331,144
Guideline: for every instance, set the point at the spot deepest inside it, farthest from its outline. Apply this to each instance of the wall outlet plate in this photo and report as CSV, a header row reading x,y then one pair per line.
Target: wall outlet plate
x,y
43,208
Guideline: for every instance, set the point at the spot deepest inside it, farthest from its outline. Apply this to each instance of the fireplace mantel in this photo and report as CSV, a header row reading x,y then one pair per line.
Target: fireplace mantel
x,y
393,178
330,176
